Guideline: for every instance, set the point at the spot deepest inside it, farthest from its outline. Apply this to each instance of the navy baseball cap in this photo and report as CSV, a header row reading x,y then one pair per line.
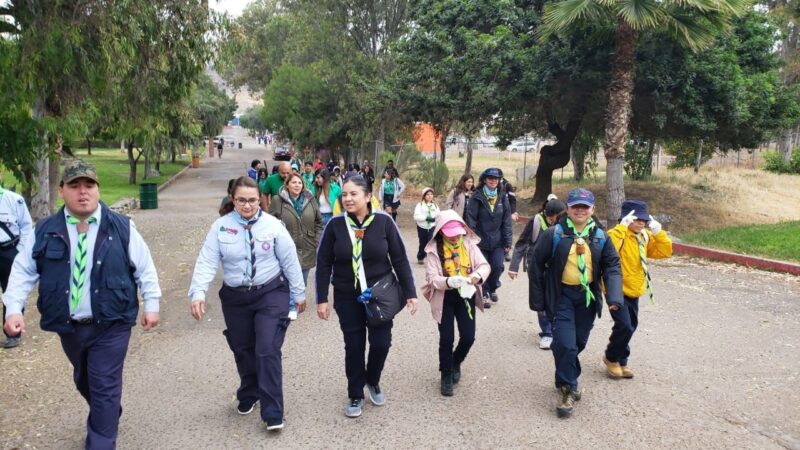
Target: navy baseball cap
x,y
491,172
638,207
580,196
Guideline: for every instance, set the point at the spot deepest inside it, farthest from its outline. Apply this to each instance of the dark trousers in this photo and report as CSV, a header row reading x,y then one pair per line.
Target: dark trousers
x,y
7,256
545,324
571,327
97,354
456,309
496,259
626,319
424,237
256,323
353,321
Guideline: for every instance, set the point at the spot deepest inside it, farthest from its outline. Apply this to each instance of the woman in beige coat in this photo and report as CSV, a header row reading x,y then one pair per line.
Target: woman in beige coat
x,y
457,198
454,271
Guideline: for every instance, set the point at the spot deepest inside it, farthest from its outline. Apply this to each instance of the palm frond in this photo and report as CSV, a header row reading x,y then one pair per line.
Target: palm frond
x,y
690,31
560,16
641,14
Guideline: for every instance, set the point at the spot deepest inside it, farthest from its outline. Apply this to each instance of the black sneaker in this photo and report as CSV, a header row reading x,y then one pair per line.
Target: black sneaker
x,y
274,424
456,373
493,296
486,302
246,408
447,383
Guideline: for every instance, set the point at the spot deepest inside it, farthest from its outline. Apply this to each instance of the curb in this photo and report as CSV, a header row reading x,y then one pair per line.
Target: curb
x,y
174,177
736,258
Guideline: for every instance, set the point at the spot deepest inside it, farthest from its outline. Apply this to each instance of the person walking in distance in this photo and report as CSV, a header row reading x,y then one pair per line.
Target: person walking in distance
x,y
458,198
489,215
326,194
523,250
454,271
637,238
390,191
89,262
296,208
220,147
569,261
425,216
361,243
15,227
261,276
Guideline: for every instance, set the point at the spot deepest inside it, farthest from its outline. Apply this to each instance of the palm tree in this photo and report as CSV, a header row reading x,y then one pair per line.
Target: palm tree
x,y
694,23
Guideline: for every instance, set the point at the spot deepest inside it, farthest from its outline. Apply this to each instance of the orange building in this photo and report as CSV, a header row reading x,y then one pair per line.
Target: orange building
x,y
426,139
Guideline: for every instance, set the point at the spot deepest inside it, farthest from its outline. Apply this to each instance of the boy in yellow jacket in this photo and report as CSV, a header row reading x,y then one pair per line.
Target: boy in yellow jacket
x,y
637,238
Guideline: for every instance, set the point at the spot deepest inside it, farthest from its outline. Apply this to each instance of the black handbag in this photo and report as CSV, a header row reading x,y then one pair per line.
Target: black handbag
x,y
383,300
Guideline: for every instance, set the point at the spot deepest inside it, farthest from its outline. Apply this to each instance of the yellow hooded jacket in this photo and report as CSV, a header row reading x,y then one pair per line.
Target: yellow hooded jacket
x,y
659,246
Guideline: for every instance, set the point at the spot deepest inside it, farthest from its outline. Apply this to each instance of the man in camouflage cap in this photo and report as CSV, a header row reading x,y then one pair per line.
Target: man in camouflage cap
x,y
89,262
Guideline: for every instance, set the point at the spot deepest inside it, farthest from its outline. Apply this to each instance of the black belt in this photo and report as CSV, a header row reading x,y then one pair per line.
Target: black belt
x,y
252,288
574,287
82,321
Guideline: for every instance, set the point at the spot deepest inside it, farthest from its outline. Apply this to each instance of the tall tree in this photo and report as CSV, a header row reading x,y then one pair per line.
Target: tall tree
x,y
695,23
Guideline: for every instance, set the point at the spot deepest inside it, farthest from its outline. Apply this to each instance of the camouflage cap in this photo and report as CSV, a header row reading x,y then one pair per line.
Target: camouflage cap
x,y
78,169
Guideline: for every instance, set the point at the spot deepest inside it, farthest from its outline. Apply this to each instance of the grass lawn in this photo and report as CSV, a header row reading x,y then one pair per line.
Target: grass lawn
x,y
778,241
112,169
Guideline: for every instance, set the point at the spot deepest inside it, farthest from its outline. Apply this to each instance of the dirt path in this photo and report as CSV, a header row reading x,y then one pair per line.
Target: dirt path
x,y
716,363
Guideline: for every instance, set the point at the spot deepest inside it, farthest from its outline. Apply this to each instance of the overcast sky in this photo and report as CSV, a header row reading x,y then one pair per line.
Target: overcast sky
x,y
232,7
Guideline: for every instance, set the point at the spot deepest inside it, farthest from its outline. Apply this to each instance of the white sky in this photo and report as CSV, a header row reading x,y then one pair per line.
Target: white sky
x,y
232,7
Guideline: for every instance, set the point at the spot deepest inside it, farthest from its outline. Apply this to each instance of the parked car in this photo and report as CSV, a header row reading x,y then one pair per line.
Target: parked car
x,y
282,154
521,146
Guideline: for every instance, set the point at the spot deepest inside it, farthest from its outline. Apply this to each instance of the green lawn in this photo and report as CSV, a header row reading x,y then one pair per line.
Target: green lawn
x,y
112,169
779,241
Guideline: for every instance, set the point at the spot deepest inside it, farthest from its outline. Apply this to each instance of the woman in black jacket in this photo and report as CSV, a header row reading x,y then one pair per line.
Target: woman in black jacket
x,y
376,247
488,214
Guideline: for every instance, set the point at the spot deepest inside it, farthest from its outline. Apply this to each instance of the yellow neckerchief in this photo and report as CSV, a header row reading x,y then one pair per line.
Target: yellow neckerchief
x,y
456,258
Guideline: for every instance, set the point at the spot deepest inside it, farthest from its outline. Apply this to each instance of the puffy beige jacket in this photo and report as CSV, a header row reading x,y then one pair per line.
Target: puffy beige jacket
x,y
436,280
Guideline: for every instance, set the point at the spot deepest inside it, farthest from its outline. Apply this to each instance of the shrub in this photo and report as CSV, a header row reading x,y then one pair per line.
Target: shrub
x,y
774,163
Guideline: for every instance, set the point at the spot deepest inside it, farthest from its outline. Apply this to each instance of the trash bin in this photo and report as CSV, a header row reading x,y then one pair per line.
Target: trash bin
x,y
240,145
148,196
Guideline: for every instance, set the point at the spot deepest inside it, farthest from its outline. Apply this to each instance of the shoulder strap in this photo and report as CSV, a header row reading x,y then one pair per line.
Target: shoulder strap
x,y
557,235
5,229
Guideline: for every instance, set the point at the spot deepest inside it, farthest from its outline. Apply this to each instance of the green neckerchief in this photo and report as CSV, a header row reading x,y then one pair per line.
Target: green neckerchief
x,y
430,208
543,221
358,231
579,240
79,272
308,179
643,259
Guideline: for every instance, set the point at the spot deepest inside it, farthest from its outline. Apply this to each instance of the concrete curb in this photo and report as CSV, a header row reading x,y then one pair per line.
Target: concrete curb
x,y
745,260
174,177
127,205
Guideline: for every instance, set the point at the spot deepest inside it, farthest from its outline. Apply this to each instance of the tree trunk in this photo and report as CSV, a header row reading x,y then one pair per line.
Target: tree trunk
x,y
648,171
445,131
39,204
89,146
147,172
131,163
699,158
785,145
468,166
620,94
556,156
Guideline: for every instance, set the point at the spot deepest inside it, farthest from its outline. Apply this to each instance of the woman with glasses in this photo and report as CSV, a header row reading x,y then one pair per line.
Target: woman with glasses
x,y
261,276
298,211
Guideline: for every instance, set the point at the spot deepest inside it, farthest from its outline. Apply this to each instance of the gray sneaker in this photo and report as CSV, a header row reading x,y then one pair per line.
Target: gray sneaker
x,y
354,406
11,342
375,395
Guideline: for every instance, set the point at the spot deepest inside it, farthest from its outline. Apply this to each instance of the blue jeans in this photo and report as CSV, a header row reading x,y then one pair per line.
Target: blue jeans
x,y
626,319
571,328
545,324
326,217
496,259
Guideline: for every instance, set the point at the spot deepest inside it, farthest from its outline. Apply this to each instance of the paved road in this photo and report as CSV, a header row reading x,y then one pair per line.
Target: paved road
x,y
716,360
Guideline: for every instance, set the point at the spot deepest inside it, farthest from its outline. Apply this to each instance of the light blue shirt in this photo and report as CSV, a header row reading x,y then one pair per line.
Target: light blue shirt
x,y
14,213
24,275
226,242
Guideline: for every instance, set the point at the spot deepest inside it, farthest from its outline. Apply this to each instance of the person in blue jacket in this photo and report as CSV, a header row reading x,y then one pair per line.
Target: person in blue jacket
x,y
488,214
569,261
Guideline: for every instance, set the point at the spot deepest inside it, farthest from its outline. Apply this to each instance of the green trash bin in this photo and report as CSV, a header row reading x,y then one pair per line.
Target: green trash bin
x,y
148,196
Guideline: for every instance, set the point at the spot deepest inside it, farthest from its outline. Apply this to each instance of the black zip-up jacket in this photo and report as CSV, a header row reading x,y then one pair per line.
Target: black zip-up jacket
x,y
494,228
382,252
545,286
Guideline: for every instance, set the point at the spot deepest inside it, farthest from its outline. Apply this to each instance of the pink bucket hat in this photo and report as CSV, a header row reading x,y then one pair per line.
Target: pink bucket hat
x,y
453,228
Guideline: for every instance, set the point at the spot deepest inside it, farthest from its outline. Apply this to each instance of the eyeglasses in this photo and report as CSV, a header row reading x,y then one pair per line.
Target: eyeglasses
x,y
245,201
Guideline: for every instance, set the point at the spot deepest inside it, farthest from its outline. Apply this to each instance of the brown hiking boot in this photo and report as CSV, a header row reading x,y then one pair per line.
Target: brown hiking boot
x,y
626,372
566,403
613,368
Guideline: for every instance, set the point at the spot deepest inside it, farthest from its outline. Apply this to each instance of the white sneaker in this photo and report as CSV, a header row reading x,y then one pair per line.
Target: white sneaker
x,y
545,342
293,315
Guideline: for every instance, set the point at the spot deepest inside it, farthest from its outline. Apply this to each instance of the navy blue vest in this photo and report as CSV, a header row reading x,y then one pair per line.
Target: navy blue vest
x,y
114,294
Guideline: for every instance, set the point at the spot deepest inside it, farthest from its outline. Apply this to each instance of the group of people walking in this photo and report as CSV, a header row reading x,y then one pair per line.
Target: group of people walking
x,y
274,229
